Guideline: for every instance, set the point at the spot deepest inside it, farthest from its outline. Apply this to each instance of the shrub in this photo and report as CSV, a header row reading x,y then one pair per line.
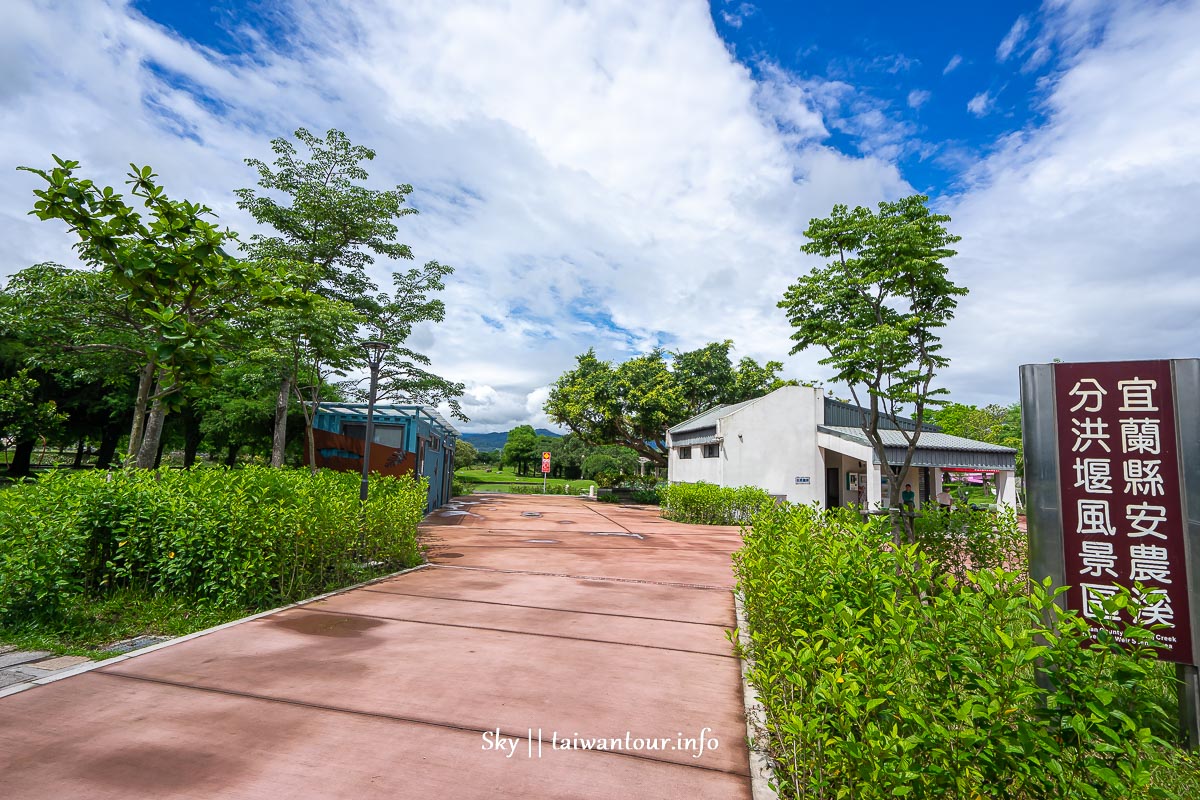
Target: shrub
x,y
236,538
962,540
708,504
883,676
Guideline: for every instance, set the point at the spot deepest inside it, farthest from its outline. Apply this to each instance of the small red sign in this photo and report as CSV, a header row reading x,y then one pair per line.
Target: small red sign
x,y
545,462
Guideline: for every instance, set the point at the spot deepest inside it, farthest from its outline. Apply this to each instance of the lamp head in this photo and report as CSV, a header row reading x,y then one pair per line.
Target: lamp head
x,y
375,350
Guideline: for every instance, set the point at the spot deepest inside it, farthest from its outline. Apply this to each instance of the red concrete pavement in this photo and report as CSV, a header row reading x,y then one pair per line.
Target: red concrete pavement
x,y
540,619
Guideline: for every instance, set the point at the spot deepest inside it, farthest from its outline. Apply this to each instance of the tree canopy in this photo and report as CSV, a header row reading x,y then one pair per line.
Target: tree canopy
x,y
877,308
633,403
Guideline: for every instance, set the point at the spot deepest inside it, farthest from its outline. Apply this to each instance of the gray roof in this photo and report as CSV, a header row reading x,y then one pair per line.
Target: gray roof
x,y
385,412
934,449
839,413
708,419
932,440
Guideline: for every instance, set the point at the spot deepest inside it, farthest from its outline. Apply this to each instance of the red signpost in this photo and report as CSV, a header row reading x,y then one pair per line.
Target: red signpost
x,y
545,469
1122,507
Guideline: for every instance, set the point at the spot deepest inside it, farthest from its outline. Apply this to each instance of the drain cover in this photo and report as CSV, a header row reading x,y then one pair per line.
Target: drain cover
x,y
542,541
530,514
566,522
451,555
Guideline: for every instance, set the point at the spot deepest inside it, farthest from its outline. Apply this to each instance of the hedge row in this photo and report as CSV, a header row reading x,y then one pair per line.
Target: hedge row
x,y
707,504
245,538
883,675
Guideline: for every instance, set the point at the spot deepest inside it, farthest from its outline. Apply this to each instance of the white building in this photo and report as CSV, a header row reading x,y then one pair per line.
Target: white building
x,y
800,445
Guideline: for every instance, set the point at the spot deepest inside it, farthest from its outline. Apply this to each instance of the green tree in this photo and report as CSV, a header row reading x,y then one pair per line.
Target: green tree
x,y
85,341
172,271
994,423
876,309
606,465
24,416
465,454
329,228
633,403
522,448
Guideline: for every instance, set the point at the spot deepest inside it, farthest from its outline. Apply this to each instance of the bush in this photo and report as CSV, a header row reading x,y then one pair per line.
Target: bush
x,y
708,504
883,676
962,540
247,538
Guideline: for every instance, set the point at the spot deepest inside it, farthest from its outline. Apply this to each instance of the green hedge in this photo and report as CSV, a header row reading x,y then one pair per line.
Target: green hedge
x,y
707,504
962,540
246,538
882,675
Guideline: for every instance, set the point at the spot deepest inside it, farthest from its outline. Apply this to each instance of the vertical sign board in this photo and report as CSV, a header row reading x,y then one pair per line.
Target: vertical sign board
x,y
1122,498
1112,479
545,462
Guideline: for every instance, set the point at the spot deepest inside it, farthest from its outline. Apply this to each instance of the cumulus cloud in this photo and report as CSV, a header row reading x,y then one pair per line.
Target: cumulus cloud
x,y
608,176
918,98
1079,236
981,104
954,63
599,175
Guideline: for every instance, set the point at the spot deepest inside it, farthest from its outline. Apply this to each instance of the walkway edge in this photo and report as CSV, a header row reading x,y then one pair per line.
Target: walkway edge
x,y
761,772
67,673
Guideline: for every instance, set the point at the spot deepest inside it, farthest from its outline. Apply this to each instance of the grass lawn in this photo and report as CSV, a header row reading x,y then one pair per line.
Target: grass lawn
x,y
498,480
90,624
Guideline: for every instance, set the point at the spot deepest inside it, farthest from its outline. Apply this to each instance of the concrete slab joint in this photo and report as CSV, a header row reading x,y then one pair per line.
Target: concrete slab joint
x,y
762,772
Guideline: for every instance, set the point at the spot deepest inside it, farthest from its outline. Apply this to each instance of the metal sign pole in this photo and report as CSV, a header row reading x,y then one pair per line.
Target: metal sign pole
x,y
1185,374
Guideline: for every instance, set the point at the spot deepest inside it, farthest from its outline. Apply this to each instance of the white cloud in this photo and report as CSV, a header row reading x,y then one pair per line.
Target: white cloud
x,y
585,167
1013,38
955,61
981,104
582,167
1079,237
918,98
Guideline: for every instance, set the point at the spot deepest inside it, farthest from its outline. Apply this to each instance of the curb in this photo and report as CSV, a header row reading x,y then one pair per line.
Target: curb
x,y
762,775
67,673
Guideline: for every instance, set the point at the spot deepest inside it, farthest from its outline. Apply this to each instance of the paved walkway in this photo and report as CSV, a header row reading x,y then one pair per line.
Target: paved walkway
x,y
556,616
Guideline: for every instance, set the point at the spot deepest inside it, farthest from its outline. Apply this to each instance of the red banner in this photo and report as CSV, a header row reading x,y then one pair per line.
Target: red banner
x,y
1122,505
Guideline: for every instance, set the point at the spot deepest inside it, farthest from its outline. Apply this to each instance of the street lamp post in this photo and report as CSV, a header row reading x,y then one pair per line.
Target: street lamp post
x,y
375,351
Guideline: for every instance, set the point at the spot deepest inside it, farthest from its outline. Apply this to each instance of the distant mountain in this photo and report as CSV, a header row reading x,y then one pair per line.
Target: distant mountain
x,y
486,442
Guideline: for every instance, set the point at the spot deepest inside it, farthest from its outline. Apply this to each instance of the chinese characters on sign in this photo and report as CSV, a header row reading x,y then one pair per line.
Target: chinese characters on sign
x,y
1121,494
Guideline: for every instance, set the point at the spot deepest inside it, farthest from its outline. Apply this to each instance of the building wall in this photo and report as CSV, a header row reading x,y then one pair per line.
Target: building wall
x,y
696,469
772,444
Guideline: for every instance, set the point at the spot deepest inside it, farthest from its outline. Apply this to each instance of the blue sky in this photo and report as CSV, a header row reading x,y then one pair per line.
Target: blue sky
x,y
917,67
622,174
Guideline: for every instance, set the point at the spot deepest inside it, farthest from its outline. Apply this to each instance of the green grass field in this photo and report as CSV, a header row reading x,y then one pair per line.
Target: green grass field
x,y
501,480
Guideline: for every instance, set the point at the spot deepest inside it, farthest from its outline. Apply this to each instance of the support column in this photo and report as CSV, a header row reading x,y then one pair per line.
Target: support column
x,y
1006,488
874,487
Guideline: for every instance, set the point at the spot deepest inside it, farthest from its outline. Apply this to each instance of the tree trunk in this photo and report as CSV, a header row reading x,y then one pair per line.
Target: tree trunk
x,y
279,440
312,447
78,463
147,454
231,456
191,436
109,437
145,380
22,457
158,453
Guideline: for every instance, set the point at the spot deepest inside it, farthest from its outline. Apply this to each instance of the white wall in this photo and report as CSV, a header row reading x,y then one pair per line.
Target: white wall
x,y
697,468
773,441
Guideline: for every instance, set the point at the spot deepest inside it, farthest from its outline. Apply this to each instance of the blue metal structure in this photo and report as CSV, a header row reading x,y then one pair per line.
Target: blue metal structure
x,y
408,439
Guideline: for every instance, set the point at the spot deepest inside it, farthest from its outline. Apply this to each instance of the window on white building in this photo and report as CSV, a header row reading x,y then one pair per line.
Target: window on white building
x,y
712,450
685,452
